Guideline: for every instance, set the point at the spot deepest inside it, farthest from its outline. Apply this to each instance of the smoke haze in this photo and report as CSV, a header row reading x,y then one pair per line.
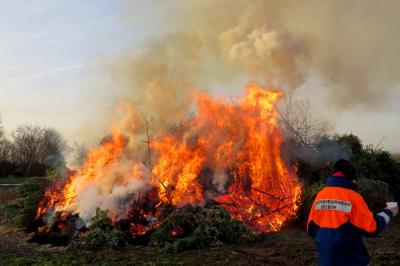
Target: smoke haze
x,y
351,45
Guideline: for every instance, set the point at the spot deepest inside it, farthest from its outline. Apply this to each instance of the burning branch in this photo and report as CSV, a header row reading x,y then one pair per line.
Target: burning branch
x,y
150,163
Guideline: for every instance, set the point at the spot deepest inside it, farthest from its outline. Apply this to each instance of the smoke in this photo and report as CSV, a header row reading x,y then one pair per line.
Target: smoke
x,y
351,45
113,190
326,151
158,80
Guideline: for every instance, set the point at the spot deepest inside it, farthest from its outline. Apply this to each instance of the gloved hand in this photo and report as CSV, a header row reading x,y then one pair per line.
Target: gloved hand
x,y
394,210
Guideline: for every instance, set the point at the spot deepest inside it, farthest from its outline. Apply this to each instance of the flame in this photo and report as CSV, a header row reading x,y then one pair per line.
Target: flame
x,y
238,140
229,153
97,159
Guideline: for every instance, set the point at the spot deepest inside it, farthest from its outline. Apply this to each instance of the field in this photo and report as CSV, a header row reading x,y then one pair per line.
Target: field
x,y
291,246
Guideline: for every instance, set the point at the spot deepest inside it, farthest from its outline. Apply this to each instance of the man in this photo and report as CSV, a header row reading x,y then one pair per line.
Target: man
x,y
339,217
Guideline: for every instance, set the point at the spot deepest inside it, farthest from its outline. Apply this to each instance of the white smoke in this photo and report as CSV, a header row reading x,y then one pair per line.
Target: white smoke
x,y
115,190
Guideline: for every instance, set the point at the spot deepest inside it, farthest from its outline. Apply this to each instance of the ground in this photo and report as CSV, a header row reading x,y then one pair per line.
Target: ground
x,y
291,246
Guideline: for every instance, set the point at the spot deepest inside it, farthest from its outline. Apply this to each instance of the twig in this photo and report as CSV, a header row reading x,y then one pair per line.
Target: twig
x,y
271,212
270,195
148,143
377,148
265,193
150,163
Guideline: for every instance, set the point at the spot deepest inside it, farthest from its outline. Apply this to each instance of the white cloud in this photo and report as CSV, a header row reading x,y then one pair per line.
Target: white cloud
x,y
53,71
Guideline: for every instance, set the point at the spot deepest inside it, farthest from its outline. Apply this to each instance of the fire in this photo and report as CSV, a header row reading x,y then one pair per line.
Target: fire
x,y
96,160
176,232
228,153
239,142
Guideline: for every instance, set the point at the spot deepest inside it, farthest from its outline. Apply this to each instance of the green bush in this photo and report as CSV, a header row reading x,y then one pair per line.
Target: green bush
x,y
100,234
309,195
198,228
29,193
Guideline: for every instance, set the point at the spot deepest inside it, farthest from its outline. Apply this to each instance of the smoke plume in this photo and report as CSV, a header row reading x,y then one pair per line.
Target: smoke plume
x,y
351,45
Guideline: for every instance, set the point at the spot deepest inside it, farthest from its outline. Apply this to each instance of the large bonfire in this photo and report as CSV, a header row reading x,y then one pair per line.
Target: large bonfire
x,y
228,153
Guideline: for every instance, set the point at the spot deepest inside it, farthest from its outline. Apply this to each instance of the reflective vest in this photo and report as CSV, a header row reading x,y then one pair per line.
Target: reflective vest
x,y
338,219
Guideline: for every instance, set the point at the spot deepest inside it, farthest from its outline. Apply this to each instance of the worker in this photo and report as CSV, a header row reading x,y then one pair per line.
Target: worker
x,y
339,218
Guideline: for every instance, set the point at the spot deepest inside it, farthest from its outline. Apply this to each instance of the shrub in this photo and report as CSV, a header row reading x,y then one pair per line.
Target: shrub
x,y
24,208
198,228
309,195
100,234
375,193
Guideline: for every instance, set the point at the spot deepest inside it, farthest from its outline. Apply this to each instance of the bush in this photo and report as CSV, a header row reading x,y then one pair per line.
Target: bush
x,y
309,195
375,193
198,228
24,208
101,234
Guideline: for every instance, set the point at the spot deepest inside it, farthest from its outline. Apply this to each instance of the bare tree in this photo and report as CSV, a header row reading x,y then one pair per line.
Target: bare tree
x,y
27,142
6,148
1,130
300,123
35,144
53,144
3,145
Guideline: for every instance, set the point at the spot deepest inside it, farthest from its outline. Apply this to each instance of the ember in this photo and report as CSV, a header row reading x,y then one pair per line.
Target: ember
x,y
177,231
227,154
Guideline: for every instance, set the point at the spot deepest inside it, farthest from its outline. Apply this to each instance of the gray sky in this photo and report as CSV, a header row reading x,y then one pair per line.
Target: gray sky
x,y
51,55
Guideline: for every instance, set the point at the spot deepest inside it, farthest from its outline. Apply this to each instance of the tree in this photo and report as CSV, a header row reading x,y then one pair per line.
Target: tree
x,y
300,124
53,144
37,145
353,142
1,131
5,146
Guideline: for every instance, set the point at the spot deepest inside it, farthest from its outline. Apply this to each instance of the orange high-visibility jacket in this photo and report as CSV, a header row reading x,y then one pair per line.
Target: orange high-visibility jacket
x,y
338,219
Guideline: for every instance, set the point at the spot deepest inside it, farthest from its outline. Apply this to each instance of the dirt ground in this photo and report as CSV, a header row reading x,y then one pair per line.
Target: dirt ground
x,y
291,246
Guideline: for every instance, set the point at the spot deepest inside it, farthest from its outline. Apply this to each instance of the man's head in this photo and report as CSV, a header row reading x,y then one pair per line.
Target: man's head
x,y
346,168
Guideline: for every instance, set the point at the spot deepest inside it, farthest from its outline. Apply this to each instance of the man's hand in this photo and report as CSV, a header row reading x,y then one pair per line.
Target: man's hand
x,y
394,210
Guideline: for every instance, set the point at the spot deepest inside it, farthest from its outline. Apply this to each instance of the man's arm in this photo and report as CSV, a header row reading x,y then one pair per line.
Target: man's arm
x,y
369,224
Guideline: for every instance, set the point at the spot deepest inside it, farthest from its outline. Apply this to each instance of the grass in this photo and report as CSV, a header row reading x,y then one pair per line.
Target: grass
x,y
13,180
291,246
58,258
7,195
262,253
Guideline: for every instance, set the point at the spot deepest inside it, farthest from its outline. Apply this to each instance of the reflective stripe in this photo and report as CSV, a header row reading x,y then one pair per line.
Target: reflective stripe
x,y
333,204
385,216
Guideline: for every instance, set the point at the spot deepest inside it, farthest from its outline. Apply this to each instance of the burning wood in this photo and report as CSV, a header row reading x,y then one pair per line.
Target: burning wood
x,y
228,154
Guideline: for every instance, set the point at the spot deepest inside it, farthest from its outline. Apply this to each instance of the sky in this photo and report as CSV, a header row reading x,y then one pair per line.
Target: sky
x,y
49,51
50,69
